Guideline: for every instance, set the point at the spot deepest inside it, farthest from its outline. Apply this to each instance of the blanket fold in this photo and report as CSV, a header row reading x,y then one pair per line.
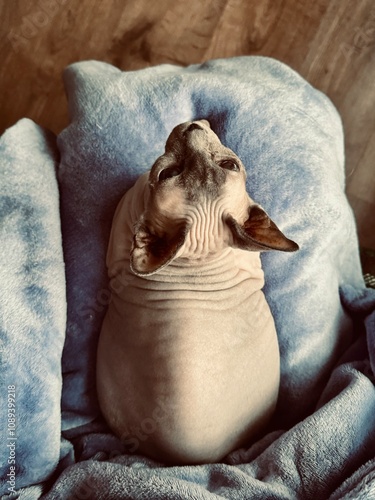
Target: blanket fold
x,y
32,306
309,461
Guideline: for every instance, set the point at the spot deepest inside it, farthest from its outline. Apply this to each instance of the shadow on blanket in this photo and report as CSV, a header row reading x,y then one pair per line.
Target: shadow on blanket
x,y
289,137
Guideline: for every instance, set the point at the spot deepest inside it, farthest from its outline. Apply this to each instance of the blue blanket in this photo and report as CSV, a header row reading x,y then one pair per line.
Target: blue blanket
x,y
289,136
32,306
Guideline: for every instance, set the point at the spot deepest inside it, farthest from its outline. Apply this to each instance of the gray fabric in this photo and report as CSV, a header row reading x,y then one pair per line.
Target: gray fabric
x,y
32,305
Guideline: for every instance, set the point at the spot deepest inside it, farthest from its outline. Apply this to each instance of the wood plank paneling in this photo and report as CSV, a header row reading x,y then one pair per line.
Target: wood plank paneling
x,y
330,42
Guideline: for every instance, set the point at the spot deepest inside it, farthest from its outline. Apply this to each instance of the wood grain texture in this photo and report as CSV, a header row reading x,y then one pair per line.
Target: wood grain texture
x,y
329,42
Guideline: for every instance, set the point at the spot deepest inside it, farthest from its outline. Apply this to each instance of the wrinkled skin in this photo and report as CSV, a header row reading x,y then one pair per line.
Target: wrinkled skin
x,y
188,360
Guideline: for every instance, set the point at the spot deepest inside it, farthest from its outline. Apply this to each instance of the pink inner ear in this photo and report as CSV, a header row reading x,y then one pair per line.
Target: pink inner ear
x,y
150,252
263,230
259,233
257,219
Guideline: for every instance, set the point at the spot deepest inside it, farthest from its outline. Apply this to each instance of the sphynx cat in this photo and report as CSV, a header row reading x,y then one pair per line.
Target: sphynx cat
x,y
188,363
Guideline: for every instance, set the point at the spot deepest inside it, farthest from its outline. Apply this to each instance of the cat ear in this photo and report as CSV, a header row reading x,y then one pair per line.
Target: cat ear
x,y
151,252
259,233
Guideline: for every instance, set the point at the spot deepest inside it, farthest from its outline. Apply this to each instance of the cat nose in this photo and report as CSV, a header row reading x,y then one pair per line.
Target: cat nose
x,y
194,126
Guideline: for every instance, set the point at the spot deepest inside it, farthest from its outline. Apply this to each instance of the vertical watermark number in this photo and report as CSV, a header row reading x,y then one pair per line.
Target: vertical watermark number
x,y
11,438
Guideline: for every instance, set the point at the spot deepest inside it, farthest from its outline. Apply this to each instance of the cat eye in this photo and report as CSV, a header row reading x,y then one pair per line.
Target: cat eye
x,y
229,165
169,172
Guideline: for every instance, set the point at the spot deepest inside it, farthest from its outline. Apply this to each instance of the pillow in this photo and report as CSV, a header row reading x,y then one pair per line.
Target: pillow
x,y
290,138
32,306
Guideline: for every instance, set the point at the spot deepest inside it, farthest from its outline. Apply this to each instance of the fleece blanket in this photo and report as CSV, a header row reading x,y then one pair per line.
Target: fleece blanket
x,y
320,443
32,306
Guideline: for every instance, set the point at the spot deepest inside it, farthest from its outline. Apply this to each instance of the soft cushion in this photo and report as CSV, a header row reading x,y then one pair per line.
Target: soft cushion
x,y
288,135
32,306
